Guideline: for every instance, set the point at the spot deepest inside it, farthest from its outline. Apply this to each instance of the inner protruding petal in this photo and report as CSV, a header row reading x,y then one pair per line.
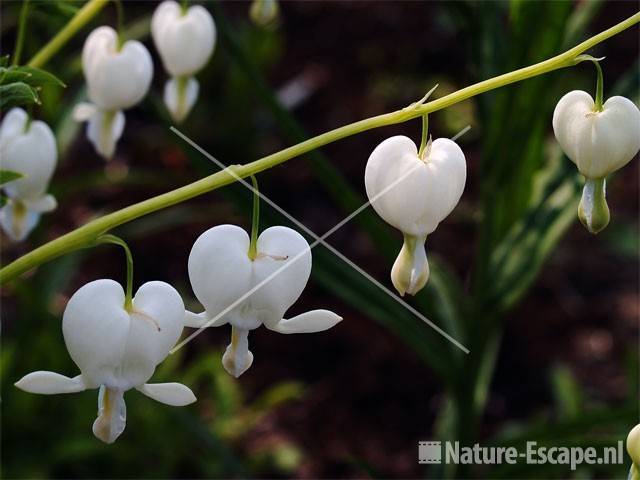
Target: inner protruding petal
x,y
112,414
237,358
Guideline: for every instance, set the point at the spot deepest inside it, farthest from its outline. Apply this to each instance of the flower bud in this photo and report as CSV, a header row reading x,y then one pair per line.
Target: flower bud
x,y
264,13
248,293
28,148
185,40
598,142
117,349
414,195
117,79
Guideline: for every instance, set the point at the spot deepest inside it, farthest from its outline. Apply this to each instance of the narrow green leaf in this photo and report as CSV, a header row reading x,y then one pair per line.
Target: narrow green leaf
x,y
34,77
7,176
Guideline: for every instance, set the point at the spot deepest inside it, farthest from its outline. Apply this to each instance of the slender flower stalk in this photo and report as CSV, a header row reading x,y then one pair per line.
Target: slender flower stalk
x,y
79,20
87,234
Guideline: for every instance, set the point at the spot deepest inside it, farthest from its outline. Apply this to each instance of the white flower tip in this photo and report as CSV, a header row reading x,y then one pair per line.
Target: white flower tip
x,y
309,322
174,394
50,383
633,444
410,271
235,362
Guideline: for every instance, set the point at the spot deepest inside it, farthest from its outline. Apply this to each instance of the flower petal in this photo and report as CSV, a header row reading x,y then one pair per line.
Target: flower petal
x,y
50,383
45,203
175,394
309,322
112,415
180,98
17,221
199,320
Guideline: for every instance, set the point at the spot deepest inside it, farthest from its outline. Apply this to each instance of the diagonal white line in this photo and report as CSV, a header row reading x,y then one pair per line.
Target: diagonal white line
x,y
318,240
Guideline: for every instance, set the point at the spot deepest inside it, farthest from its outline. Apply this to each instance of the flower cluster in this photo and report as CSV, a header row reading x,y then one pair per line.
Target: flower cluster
x,y
119,75
27,147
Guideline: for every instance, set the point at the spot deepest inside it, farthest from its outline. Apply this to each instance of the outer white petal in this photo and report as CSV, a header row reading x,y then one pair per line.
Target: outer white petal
x,y
597,142
279,247
156,324
95,326
180,102
43,204
309,322
31,152
17,221
13,125
83,111
185,42
219,268
104,129
199,320
49,383
411,194
175,394
116,80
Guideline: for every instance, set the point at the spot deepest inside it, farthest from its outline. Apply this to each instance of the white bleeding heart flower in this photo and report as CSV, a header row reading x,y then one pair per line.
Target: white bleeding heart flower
x,y
118,77
222,273
599,142
185,40
29,148
414,195
116,349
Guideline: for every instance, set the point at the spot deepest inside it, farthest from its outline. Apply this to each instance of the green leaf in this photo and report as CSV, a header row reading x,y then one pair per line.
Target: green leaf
x,y
7,176
567,392
34,77
4,60
17,94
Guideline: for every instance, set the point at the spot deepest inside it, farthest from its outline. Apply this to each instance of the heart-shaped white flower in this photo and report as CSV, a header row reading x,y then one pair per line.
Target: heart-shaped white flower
x,y
117,79
116,349
28,148
414,195
260,290
185,40
599,143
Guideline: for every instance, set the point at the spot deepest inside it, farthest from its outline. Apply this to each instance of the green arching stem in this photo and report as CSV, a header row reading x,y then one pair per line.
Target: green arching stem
x,y
112,239
22,24
86,234
184,4
255,220
425,132
599,87
79,20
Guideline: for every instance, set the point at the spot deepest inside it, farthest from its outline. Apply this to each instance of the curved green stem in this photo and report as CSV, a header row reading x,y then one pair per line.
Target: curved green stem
x,y
79,20
425,131
112,239
22,24
255,220
86,234
119,23
599,87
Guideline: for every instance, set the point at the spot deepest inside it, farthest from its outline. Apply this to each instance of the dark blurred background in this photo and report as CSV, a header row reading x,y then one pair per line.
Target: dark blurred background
x,y
549,312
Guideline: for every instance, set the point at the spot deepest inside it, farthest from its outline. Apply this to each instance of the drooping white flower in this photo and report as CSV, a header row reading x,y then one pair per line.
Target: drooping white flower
x,y
29,148
118,77
185,40
263,289
116,349
598,142
414,195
